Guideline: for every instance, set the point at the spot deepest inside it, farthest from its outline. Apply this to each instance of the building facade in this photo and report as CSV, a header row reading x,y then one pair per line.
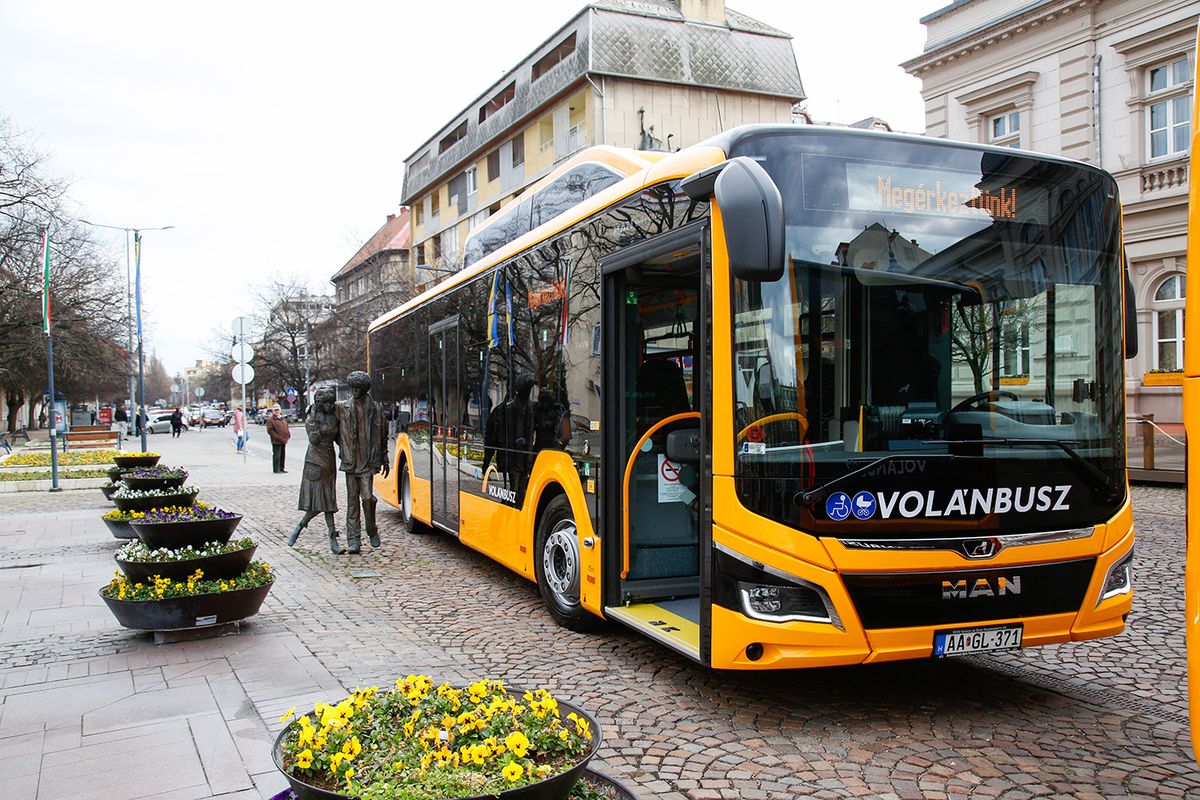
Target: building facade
x,y
1103,81
646,74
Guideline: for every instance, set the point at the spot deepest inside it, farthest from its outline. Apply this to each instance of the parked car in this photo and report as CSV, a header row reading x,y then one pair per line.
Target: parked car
x,y
195,415
212,416
160,422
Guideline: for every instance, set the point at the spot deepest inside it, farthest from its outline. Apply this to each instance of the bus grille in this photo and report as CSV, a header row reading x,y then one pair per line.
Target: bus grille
x,y
903,600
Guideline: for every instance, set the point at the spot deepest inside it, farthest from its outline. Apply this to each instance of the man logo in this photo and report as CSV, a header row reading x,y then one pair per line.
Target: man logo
x,y
980,548
981,587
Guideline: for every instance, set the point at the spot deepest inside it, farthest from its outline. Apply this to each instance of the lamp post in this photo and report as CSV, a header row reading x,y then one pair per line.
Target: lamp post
x,y
131,292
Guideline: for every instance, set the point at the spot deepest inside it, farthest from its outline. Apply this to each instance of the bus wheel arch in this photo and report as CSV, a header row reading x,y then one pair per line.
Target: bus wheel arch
x,y
404,496
557,563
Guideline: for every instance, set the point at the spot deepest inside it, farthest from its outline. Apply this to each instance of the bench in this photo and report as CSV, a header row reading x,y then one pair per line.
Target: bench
x,y
7,440
92,436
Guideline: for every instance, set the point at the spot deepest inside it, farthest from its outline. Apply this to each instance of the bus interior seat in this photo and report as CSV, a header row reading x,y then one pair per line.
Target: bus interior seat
x,y
661,391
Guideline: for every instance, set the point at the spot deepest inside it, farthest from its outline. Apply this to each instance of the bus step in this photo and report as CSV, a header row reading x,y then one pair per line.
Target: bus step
x,y
676,632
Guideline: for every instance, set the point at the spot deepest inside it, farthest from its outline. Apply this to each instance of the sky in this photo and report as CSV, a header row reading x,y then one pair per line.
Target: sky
x,y
272,135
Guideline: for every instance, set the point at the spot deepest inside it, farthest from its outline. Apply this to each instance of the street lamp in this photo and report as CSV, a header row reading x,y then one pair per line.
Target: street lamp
x,y
129,301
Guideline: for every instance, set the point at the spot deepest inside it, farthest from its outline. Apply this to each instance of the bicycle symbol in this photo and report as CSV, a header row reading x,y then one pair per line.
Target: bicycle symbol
x,y
838,506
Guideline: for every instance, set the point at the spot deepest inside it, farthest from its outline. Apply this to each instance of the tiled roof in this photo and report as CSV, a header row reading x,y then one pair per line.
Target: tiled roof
x,y
396,234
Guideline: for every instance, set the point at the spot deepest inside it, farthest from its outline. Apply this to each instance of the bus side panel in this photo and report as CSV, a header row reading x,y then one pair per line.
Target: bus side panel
x,y
493,529
1191,420
388,489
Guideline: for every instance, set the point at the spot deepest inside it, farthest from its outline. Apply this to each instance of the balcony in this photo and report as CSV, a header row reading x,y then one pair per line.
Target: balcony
x,y
1162,178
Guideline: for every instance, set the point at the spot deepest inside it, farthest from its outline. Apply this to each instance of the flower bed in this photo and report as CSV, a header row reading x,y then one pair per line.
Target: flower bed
x,y
416,742
146,499
45,475
184,526
136,459
72,458
216,560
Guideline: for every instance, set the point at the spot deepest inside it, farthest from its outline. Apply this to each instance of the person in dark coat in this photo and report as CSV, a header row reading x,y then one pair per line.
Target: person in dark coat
x,y
318,482
176,423
279,433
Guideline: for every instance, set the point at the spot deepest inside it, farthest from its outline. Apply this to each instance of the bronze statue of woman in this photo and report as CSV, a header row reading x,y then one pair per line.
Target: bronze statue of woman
x,y
318,487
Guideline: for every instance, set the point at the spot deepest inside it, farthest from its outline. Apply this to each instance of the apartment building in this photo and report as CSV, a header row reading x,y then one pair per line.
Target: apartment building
x,y
647,74
1104,81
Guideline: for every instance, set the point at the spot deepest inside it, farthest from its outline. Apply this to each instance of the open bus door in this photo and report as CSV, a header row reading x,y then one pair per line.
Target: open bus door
x,y
1191,419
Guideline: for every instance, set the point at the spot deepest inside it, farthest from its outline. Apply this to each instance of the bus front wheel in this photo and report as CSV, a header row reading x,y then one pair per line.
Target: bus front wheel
x,y
558,569
407,520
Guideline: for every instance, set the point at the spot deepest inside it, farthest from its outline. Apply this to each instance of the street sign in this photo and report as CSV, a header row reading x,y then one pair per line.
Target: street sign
x,y
174,387
241,327
241,353
199,391
291,396
243,374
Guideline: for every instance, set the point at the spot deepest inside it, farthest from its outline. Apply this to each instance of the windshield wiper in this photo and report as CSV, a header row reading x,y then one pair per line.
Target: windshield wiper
x,y
817,492
1098,479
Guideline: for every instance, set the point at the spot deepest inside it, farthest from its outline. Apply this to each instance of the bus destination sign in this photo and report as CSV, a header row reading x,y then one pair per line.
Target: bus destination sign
x,y
888,188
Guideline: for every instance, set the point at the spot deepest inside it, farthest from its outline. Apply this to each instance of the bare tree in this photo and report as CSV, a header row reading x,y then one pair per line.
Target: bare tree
x,y
289,315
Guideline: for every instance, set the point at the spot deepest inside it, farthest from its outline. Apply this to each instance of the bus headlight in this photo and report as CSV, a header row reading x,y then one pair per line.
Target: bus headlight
x,y
774,603
1119,580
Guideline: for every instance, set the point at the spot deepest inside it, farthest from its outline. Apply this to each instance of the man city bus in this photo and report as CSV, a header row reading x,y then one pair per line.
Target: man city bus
x,y
794,396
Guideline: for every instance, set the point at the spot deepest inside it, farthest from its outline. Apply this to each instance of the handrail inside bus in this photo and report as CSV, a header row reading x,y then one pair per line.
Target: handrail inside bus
x,y
637,449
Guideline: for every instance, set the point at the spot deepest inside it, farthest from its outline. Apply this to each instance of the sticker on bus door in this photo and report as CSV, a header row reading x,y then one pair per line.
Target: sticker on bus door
x,y
670,488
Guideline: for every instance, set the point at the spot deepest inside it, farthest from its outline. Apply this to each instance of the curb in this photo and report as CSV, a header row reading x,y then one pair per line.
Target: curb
x,y
7,487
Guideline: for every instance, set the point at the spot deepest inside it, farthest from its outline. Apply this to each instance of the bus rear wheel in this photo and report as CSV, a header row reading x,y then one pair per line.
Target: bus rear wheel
x,y
557,564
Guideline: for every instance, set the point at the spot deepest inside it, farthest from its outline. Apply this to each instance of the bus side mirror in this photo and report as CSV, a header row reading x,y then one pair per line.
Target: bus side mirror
x,y
1131,331
752,209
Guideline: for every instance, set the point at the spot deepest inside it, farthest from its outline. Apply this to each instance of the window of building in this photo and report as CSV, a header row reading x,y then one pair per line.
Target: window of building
x,y
456,191
499,101
472,181
1005,129
478,218
493,165
546,132
437,249
435,203
419,212
448,245
453,137
518,150
1169,99
1168,323
420,249
557,54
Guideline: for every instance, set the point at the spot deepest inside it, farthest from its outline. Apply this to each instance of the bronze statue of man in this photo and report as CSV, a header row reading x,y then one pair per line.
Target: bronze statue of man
x,y
362,447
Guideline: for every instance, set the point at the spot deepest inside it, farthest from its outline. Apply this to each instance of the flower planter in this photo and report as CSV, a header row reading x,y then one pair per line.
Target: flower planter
x,y
160,501
219,567
554,787
108,491
115,473
145,484
120,530
129,462
1162,379
193,611
614,786
197,533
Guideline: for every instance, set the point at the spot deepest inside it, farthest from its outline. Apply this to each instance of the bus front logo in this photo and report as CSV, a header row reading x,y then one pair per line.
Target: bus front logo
x,y
964,589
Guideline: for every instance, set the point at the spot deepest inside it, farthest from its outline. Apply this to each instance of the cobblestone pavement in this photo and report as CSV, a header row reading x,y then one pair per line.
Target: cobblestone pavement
x,y
1100,719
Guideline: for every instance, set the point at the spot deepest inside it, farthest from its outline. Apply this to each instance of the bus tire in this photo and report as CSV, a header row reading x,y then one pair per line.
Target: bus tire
x,y
557,565
408,522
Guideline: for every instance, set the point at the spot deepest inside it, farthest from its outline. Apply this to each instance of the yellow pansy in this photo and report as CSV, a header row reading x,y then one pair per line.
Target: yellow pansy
x,y
288,714
513,771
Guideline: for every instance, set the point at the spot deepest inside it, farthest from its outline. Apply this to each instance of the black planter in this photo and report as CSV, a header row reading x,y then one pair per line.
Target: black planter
x,y
149,503
556,787
129,462
181,613
197,533
120,530
144,484
215,568
115,473
616,787
108,491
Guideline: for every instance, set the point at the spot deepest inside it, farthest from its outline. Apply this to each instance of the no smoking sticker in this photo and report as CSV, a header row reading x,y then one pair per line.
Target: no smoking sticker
x,y
670,489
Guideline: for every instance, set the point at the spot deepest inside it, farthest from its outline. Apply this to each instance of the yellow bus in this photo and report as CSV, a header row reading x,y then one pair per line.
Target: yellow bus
x,y
795,396
1191,421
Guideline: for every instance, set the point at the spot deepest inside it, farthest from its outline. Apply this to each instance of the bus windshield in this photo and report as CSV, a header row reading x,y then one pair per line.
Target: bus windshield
x,y
949,321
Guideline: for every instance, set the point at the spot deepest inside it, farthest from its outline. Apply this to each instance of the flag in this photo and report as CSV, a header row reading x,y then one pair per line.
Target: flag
x,y
566,300
508,309
137,281
493,320
46,281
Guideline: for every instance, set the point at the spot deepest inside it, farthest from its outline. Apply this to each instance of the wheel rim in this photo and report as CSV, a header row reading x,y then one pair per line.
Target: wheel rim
x,y
560,563
405,497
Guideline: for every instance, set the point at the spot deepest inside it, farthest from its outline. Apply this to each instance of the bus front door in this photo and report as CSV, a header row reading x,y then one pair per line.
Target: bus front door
x,y
444,421
654,489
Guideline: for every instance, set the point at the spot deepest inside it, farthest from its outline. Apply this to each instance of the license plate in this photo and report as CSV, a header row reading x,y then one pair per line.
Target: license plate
x,y
977,640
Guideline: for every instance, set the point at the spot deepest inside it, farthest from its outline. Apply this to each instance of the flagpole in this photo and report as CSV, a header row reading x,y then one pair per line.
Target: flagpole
x,y
142,418
54,487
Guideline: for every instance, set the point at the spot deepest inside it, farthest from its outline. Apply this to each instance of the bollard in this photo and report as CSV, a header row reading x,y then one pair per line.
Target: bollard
x,y
1147,441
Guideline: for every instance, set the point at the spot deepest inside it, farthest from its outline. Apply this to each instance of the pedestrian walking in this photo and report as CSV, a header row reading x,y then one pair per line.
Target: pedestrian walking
x,y
42,418
239,427
121,421
362,447
279,433
176,423
318,484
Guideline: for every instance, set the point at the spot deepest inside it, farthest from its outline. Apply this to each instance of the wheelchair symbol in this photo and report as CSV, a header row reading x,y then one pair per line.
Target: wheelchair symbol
x,y
838,506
